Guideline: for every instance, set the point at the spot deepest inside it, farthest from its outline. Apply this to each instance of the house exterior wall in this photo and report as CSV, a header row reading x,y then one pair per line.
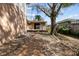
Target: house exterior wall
x,y
42,26
12,22
23,7
30,26
74,27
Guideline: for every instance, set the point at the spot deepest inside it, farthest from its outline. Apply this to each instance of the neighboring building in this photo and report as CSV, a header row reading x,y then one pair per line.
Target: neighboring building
x,y
75,26
72,24
36,25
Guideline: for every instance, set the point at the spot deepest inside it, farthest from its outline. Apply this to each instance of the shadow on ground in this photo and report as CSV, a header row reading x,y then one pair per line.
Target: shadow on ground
x,y
28,45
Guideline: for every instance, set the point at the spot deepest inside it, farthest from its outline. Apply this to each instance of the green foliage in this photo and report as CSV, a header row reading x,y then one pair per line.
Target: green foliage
x,y
75,33
37,30
67,31
38,17
65,5
64,31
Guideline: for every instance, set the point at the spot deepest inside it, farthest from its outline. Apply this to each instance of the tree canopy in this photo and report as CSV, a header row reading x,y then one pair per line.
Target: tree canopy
x,y
37,17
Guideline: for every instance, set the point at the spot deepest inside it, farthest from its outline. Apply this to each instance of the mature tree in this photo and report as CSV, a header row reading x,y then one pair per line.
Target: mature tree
x,y
52,10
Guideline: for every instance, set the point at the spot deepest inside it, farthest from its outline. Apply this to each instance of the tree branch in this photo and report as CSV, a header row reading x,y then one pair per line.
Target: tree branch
x,y
53,13
43,11
58,9
49,5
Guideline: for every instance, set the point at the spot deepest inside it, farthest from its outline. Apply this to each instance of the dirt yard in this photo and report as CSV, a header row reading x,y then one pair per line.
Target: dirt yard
x,y
33,44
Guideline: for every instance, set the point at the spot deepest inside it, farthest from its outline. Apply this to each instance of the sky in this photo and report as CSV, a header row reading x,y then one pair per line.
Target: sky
x,y
70,12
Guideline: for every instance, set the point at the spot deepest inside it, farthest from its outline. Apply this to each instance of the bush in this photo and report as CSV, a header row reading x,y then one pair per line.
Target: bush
x,y
64,31
75,33
68,32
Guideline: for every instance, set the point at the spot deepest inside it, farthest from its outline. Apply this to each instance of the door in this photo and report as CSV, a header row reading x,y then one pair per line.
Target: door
x,y
37,26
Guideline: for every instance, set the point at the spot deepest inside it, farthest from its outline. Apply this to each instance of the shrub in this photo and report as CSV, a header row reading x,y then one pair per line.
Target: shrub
x,y
64,31
75,33
68,32
37,30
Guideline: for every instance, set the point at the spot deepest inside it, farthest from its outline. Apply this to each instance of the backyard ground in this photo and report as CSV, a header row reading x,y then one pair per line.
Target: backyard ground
x,y
34,44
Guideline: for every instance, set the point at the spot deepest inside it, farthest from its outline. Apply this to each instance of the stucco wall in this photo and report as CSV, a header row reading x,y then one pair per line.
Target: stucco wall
x,y
42,26
12,22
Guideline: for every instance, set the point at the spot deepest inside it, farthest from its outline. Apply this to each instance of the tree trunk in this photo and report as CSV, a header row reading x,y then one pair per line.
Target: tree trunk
x,y
53,23
53,18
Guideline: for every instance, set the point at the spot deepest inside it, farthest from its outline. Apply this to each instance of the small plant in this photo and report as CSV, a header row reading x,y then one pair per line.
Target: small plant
x,y
37,30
